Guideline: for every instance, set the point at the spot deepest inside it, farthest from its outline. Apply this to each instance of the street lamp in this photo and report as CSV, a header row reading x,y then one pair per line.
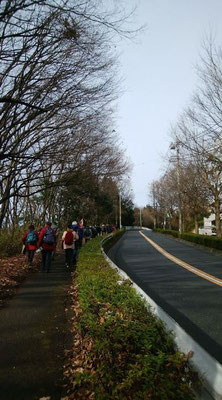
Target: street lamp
x,y
120,212
140,217
175,146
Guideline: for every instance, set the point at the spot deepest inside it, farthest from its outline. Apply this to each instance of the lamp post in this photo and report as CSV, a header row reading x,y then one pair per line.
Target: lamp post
x,y
120,212
140,217
175,146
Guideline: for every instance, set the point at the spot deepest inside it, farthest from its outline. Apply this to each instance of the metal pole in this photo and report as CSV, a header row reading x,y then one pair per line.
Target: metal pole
x,y
140,217
120,212
116,210
178,184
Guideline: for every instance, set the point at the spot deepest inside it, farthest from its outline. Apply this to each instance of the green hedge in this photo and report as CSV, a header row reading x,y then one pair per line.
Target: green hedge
x,y
205,240
129,353
167,232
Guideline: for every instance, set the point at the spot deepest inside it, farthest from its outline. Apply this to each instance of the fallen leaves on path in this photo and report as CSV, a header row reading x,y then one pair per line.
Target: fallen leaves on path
x,y
78,360
13,271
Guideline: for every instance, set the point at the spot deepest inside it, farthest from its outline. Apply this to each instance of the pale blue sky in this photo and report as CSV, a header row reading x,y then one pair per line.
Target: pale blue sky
x,y
159,73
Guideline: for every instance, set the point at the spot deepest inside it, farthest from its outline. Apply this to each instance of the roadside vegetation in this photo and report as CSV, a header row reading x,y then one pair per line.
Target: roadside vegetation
x,y
13,265
109,242
120,349
10,242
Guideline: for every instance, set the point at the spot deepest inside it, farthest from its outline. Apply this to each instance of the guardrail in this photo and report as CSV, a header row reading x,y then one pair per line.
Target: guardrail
x,y
136,228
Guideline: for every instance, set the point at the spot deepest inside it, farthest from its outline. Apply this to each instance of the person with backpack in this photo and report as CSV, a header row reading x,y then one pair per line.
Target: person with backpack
x,y
87,234
80,229
55,228
76,248
47,241
99,230
94,231
69,238
30,240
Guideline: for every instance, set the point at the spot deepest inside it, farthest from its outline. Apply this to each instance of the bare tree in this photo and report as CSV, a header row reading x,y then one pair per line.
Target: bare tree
x,y
205,161
57,81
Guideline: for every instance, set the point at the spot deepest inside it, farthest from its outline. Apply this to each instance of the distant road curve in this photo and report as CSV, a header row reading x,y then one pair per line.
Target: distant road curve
x,y
183,264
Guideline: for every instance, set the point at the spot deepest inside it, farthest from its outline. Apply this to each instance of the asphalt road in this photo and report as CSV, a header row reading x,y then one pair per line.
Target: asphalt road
x,y
194,302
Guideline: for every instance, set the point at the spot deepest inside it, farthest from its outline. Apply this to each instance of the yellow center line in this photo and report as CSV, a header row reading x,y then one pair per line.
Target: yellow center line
x,y
183,264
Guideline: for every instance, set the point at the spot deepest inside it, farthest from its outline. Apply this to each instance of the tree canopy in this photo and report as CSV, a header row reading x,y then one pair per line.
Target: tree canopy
x,y
57,89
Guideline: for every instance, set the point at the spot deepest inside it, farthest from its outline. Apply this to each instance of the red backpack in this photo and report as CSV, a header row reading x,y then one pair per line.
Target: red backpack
x,y
69,238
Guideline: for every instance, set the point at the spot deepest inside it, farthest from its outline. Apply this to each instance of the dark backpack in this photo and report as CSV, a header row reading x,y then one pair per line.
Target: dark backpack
x,y
69,238
31,237
49,237
88,232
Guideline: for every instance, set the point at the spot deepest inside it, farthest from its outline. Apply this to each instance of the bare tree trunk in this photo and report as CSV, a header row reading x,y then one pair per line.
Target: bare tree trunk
x,y
164,221
4,206
154,222
15,211
169,223
2,212
217,215
196,224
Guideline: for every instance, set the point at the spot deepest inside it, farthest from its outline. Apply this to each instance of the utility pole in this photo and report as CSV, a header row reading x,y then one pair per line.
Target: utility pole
x,y
179,192
154,206
116,211
176,146
140,217
120,212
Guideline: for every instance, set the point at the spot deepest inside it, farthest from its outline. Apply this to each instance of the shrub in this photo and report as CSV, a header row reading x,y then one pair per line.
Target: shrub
x,y
209,241
10,242
167,232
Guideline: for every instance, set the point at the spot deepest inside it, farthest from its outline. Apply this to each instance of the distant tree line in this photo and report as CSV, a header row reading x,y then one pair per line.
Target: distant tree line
x,y
191,187
59,154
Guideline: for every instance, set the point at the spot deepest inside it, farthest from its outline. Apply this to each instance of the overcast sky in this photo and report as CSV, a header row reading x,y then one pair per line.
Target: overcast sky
x,y
159,78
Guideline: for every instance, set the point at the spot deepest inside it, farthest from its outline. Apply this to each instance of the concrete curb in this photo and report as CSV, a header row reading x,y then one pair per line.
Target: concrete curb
x,y
209,369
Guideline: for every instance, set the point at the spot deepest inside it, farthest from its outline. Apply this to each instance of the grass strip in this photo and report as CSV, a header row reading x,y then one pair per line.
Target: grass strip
x,y
120,349
110,240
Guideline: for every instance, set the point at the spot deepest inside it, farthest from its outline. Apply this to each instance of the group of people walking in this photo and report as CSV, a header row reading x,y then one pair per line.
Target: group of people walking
x,y
45,240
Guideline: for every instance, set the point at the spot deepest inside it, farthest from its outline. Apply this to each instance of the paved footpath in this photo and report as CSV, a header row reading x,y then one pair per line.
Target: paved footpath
x,y
33,334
